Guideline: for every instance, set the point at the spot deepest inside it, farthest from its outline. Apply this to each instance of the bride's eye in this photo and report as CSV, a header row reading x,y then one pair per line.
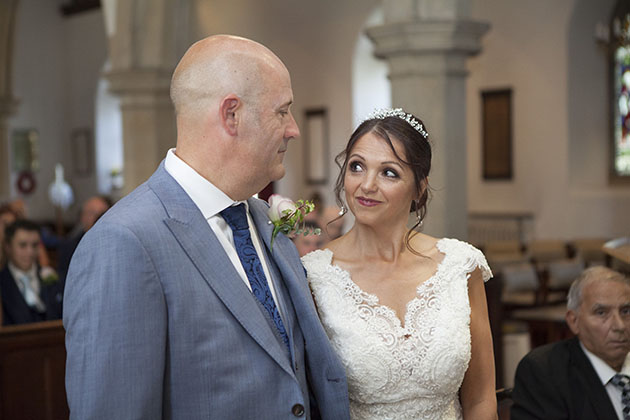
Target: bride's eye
x,y
390,173
355,167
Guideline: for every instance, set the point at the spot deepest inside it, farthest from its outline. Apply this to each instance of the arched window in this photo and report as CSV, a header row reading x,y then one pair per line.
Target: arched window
x,y
620,44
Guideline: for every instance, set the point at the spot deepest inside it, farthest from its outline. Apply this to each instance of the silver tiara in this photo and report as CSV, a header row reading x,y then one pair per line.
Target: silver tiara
x,y
380,114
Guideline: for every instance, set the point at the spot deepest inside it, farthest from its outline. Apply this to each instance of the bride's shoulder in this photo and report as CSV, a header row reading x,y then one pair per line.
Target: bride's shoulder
x,y
464,254
456,245
317,258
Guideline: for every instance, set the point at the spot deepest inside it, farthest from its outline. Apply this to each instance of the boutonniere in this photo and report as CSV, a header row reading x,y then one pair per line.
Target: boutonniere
x,y
48,275
287,216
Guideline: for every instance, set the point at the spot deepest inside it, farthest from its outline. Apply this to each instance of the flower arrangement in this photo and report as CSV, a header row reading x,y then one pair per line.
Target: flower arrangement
x,y
287,216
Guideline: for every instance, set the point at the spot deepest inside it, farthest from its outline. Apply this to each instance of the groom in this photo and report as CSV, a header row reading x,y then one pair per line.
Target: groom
x,y
176,307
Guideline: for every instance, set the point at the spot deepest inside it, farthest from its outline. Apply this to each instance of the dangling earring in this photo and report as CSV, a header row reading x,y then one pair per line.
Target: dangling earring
x,y
420,221
342,210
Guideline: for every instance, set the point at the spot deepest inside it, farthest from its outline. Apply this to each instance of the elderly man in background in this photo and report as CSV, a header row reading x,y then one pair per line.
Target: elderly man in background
x,y
585,377
177,305
91,210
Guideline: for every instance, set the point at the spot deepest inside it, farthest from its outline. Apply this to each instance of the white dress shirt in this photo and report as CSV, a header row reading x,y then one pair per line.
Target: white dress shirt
x,y
211,201
32,299
605,374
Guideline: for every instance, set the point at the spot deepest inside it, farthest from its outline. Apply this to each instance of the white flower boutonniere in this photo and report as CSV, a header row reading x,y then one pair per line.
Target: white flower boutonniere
x,y
288,216
48,275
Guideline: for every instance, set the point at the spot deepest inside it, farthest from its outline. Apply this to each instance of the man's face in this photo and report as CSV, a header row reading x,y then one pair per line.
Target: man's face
x,y
92,210
602,322
23,248
271,128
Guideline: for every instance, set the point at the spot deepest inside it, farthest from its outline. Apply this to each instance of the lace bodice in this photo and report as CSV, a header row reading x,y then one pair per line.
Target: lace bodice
x,y
396,371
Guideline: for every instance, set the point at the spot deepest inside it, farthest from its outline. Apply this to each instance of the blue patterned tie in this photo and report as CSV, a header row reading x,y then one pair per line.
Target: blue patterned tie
x,y
622,382
236,218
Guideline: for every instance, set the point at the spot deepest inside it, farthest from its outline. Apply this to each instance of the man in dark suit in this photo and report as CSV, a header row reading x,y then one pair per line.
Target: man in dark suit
x,y
581,378
26,297
91,210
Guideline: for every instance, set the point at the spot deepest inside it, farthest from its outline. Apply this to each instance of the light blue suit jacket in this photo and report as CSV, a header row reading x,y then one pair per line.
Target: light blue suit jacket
x,y
160,325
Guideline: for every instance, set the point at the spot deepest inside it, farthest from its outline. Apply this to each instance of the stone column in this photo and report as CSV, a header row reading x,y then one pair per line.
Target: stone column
x,y
426,44
8,103
144,36
148,121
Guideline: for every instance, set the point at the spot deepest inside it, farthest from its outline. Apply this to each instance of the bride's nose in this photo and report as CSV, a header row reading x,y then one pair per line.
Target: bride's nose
x,y
368,183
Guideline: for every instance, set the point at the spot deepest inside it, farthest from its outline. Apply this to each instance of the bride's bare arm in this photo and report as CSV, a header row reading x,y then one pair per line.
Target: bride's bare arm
x,y
477,393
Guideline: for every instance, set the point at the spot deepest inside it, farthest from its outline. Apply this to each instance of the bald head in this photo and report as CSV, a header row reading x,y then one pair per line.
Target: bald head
x,y
218,66
232,98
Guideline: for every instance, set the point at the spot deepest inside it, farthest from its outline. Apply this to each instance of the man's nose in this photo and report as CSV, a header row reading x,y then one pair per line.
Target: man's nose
x,y
293,131
617,321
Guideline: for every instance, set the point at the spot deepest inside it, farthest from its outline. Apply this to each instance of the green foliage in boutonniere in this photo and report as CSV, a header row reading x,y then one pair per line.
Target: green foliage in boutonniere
x,y
288,217
48,275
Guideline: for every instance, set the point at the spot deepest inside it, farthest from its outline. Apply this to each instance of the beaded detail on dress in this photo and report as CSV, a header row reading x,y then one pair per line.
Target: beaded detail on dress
x,y
396,371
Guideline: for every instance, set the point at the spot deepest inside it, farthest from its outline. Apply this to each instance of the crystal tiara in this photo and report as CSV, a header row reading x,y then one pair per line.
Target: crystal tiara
x,y
398,112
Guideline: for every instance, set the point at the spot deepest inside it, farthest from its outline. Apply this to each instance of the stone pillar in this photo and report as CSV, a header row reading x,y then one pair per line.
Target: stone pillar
x,y
143,39
8,103
426,44
148,121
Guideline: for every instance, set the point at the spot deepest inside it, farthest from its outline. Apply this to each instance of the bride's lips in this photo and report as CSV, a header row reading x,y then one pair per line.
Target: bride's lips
x,y
367,202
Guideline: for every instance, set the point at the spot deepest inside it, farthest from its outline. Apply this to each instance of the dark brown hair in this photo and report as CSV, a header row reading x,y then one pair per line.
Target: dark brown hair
x,y
417,153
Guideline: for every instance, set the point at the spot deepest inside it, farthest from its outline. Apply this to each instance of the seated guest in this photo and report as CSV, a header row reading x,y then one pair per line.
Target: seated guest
x,y
7,216
583,377
311,242
26,297
93,208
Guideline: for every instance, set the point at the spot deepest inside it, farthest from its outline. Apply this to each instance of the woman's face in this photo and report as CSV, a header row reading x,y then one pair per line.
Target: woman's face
x,y
379,187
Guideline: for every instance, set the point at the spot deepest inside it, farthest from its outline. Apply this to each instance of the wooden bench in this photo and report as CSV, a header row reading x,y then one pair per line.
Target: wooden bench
x,y
32,372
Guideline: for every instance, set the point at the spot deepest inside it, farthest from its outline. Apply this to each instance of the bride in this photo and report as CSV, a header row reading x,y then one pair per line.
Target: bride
x,y
406,312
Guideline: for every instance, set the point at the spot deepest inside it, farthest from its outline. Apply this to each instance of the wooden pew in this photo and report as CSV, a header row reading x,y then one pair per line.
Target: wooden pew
x,y
32,371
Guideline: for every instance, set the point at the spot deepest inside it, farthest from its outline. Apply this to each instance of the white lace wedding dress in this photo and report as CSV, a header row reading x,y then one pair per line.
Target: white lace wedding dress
x,y
394,371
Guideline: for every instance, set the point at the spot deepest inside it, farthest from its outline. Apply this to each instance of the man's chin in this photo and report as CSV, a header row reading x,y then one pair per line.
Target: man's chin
x,y
278,173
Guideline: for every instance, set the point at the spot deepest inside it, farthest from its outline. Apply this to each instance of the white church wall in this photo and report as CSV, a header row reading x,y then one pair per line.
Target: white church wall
x,y
57,63
86,47
38,80
528,49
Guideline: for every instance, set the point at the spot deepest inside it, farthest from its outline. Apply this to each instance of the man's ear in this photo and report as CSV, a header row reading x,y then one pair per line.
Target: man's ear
x,y
230,105
572,321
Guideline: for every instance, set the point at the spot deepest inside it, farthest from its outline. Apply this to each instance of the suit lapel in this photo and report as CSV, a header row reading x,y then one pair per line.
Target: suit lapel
x,y
195,236
292,272
281,246
590,383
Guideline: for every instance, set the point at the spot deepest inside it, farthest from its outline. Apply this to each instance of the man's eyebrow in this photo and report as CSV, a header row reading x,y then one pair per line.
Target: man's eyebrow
x,y
286,104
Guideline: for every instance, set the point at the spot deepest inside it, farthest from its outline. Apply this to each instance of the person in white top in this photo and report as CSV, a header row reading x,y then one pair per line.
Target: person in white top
x,y
582,377
405,311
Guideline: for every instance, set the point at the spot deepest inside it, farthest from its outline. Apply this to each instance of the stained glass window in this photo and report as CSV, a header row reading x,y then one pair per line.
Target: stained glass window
x,y
621,95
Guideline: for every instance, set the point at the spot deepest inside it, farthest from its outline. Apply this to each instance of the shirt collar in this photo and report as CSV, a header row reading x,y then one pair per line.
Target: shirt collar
x,y
206,196
603,370
31,273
